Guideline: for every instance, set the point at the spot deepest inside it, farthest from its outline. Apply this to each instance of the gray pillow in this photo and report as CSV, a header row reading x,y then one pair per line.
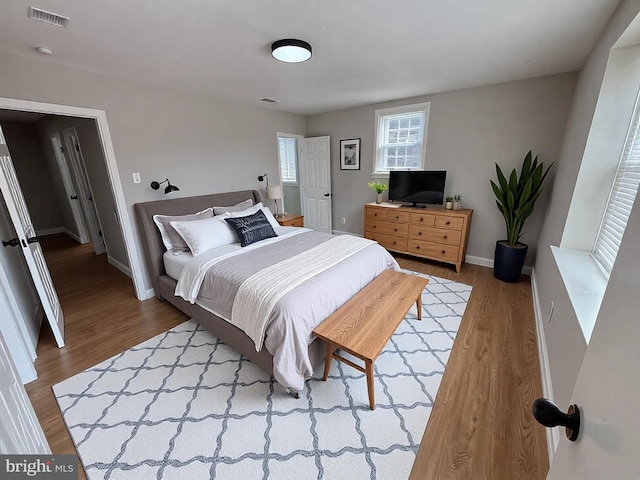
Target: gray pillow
x,y
234,208
252,228
171,239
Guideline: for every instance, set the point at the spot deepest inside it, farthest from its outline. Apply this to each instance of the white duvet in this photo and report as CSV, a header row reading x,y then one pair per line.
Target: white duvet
x,y
212,280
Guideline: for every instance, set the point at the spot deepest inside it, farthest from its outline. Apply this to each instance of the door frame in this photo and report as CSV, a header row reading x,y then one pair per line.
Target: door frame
x,y
124,221
87,204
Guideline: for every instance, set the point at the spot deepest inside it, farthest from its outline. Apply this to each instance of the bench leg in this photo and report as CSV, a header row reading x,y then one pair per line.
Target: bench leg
x,y
369,368
419,305
327,360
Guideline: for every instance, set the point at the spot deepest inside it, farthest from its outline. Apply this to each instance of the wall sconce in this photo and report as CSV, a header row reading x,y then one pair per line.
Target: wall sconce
x,y
274,192
168,189
264,177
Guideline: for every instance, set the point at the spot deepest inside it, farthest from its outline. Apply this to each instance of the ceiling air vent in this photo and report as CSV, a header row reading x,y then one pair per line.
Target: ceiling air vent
x,y
48,17
269,100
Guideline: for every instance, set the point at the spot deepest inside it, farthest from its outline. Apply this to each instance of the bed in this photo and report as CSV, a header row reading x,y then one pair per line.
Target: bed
x,y
284,346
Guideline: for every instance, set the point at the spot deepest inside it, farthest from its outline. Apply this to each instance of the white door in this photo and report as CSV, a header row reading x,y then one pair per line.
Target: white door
x,y
28,241
69,188
316,183
608,387
20,432
84,190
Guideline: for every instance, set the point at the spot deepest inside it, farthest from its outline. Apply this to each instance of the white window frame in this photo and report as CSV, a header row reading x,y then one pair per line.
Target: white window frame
x,y
299,139
381,114
621,199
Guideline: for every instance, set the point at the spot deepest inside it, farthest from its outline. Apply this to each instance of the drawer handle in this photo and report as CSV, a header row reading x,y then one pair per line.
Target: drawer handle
x,y
446,237
374,226
419,233
395,229
417,247
448,222
397,217
443,251
421,219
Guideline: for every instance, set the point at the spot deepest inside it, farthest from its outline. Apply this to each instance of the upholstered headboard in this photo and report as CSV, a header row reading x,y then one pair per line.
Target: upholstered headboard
x,y
150,236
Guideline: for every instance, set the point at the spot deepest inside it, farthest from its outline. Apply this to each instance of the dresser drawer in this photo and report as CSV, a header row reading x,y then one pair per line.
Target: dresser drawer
x,y
437,235
427,219
435,251
398,216
373,213
389,242
296,222
450,222
387,228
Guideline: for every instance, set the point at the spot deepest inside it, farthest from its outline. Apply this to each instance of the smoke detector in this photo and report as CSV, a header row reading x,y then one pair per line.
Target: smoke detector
x,y
269,100
48,17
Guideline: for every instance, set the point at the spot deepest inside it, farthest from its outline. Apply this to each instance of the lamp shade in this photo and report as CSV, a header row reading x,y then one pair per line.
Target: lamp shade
x,y
291,50
274,192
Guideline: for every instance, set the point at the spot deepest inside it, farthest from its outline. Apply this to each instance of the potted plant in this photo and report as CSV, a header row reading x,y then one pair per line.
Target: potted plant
x,y
516,198
448,202
457,201
379,188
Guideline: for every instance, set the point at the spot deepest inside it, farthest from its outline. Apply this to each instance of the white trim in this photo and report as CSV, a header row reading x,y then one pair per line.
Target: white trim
x,y
340,232
73,235
100,117
149,293
424,107
488,262
553,434
119,265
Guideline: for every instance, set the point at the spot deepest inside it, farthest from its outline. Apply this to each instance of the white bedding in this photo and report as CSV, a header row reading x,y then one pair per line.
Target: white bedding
x,y
212,280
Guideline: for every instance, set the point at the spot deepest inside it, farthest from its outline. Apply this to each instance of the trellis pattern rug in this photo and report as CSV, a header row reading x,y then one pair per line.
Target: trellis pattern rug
x,y
183,405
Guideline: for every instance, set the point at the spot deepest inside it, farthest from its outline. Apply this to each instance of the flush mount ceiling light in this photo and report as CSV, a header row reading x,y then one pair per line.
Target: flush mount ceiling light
x,y
291,50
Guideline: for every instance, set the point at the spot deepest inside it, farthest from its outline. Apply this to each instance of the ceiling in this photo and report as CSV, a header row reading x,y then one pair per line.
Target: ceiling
x,y
364,51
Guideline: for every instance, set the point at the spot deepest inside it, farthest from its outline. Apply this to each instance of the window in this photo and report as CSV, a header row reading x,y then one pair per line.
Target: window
x,y
288,154
621,198
401,134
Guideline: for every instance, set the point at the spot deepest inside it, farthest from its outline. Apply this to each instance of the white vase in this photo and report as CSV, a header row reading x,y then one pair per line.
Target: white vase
x,y
448,205
379,198
457,205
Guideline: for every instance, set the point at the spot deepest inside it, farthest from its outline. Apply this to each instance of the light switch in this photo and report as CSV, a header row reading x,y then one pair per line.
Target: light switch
x,y
136,178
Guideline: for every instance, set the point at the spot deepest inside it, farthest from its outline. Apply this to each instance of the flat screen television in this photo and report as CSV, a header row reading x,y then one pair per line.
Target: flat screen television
x,y
424,187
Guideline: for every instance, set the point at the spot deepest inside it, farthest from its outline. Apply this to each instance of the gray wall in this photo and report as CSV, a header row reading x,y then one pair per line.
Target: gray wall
x,y
202,144
37,180
469,130
565,342
91,148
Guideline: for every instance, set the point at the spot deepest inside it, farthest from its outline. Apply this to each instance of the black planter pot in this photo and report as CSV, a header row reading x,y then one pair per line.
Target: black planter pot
x,y
508,261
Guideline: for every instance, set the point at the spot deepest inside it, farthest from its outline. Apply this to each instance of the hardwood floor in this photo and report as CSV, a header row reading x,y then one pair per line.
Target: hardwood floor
x,y
481,425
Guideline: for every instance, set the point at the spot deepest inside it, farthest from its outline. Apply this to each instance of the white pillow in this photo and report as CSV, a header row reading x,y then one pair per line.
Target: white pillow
x,y
170,238
238,207
258,206
204,235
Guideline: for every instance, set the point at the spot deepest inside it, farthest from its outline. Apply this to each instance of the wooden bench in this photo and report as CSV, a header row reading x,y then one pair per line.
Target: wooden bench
x,y
364,324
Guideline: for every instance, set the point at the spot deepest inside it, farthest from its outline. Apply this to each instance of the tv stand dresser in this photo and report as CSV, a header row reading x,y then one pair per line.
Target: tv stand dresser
x,y
433,232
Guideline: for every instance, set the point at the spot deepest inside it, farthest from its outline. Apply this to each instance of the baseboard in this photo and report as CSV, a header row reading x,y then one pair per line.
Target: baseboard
x,y
488,262
119,266
149,293
50,231
553,434
72,235
340,232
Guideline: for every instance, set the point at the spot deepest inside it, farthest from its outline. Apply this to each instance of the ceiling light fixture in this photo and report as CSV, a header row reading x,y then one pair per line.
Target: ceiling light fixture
x,y
291,50
44,50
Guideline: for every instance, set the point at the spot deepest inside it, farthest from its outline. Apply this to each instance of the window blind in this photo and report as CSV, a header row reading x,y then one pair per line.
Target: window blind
x,y
621,198
288,152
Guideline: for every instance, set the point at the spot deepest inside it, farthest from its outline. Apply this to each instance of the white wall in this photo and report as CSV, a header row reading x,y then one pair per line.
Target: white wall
x,y
469,130
565,343
202,144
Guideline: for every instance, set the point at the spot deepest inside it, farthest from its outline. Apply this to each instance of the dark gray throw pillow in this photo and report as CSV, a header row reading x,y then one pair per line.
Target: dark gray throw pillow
x,y
252,228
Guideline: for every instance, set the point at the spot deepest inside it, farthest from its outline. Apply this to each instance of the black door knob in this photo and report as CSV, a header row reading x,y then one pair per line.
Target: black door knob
x,y
548,414
33,239
14,242
327,194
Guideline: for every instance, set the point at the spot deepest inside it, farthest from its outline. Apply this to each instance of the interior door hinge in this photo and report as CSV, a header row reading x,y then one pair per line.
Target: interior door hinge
x,y
62,149
77,147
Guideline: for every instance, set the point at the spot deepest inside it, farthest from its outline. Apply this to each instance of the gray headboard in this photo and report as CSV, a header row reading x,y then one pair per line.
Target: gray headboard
x,y
150,236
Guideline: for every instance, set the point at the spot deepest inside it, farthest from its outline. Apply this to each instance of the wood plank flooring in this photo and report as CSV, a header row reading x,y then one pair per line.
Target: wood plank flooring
x,y
480,427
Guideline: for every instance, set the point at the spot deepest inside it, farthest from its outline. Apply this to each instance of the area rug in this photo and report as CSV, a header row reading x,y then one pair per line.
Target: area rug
x,y
183,405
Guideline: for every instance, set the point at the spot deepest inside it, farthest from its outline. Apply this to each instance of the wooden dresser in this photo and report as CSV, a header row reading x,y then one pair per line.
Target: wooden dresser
x,y
290,220
433,233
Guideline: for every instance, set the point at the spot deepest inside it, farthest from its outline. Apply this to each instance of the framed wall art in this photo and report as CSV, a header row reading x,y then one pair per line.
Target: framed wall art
x,y
350,154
